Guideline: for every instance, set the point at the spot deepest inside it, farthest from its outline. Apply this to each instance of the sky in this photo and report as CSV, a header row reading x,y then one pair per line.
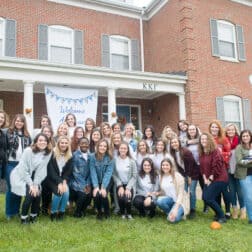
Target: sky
x,y
141,3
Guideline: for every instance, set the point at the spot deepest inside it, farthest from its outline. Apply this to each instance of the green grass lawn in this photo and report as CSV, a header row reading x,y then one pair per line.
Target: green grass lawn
x,y
115,234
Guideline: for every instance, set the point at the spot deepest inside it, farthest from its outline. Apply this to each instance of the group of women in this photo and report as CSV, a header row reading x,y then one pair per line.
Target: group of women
x,y
104,166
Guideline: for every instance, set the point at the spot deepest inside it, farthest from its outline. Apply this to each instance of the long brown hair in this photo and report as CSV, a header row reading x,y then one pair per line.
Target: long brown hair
x,y
6,119
211,146
153,173
172,171
98,155
221,133
23,119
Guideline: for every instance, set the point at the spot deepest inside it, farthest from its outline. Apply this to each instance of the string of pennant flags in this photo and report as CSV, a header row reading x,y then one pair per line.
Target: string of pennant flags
x,y
84,100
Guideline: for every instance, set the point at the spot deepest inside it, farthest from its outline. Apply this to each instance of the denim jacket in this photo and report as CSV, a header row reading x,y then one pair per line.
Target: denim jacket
x,y
81,173
101,171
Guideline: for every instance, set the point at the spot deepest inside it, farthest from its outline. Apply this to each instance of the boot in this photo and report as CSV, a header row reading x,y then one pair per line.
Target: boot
x,y
53,216
33,219
60,216
235,213
243,214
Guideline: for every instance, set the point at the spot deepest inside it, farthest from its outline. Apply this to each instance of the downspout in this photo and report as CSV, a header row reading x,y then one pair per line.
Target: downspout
x,y
142,39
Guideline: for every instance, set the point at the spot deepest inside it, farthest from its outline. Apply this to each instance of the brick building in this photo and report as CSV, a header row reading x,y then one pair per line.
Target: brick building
x,y
175,59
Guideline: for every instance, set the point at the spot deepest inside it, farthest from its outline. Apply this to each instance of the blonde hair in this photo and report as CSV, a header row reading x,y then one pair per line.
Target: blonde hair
x,y
164,138
237,132
58,153
134,135
64,124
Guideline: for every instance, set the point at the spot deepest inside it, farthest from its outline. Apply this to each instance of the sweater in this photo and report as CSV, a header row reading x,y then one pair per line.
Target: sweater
x,y
213,164
31,170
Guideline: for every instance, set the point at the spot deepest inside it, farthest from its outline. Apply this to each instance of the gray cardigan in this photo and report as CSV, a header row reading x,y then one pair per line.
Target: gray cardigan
x,y
132,175
21,175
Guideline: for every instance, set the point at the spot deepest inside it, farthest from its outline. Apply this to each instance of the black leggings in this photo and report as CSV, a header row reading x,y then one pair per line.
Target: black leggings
x,y
124,201
101,202
28,202
81,199
139,205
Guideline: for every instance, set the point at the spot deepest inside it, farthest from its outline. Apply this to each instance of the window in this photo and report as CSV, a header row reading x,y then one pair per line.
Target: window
x,y
233,110
227,40
1,37
119,53
125,114
60,44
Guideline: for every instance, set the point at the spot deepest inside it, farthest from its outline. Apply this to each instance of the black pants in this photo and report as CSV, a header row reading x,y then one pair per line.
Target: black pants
x,y
101,202
46,196
124,201
32,202
139,205
226,198
81,199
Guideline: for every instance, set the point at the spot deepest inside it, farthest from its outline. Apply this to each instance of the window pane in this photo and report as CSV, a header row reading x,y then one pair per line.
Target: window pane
x,y
226,49
120,62
1,47
61,38
225,32
118,46
62,55
232,111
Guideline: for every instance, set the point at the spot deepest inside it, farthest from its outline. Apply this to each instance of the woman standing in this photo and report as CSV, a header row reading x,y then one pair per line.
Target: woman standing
x,y
188,168
172,198
106,131
149,137
80,182
48,131
182,131
142,152
89,126
94,139
167,135
159,154
243,171
124,176
44,121
214,173
27,176
18,139
101,169
4,123
71,122
61,131
59,170
232,134
146,189
129,136
77,135
224,147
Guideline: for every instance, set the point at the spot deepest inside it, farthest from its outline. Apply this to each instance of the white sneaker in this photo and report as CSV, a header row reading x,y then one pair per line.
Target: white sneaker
x,y
123,216
129,217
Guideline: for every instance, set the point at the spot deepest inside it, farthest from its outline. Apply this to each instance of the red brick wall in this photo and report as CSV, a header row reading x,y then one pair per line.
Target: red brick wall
x,y
29,14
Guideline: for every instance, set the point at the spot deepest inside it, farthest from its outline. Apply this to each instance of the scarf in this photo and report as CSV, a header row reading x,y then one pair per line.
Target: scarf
x,y
13,138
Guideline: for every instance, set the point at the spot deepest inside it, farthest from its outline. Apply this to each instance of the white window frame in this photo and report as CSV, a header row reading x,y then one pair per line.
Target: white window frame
x,y
130,105
120,38
2,20
235,58
234,98
64,28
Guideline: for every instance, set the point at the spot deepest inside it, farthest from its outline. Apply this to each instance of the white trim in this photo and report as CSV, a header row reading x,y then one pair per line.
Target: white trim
x,y
64,28
1,104
4,28
86,76
235,98
116,7
245,2
235,58
122,38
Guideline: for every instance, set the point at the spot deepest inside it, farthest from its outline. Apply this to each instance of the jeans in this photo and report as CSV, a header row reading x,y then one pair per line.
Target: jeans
x,y
12,201
167,205
210,195
193,194
246,185
235,191
59,202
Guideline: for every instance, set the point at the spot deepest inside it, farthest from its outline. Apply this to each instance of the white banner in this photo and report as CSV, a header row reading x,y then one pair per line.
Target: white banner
x,y
60,101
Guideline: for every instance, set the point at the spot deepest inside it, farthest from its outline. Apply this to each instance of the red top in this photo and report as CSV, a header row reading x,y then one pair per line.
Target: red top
x,y
213,164
225,149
